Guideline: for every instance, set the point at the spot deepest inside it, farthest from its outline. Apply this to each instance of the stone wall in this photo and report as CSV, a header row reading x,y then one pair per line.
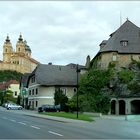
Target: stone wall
x,y
120,60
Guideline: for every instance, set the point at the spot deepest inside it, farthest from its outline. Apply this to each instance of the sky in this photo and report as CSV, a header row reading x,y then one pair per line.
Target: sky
x,y
63,32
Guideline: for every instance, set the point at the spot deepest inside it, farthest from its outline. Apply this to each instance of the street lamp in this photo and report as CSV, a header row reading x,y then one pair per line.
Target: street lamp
x,y
4,91
78,71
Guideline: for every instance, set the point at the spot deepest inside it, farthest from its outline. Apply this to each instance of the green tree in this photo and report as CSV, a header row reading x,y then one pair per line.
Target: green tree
x,y
8,96
126,75
90,96
61,99
6,75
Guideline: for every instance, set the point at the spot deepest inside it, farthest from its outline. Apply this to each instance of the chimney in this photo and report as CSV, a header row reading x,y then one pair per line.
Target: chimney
x,y
50,63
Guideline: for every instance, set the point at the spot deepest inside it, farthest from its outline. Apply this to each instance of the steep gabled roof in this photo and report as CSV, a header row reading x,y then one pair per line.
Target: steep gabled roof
x,y
24,79
55,75
127,32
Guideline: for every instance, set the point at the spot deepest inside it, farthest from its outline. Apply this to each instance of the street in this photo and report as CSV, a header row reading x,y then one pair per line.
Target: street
x,y
15,125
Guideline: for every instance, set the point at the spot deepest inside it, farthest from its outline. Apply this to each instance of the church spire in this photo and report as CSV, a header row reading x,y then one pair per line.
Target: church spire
x,y
7,39
20,37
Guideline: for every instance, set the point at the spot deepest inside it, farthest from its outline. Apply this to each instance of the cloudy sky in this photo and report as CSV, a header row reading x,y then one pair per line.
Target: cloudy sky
x,y
64,32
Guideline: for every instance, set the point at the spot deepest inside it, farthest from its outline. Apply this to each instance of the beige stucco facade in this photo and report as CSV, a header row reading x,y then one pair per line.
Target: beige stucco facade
x,y
15,89
39,95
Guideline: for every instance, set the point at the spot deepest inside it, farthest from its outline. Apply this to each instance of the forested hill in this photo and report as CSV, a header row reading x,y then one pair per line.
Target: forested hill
x,y
7,75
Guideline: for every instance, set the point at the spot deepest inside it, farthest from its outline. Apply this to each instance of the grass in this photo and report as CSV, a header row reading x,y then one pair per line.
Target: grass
x,y
69,115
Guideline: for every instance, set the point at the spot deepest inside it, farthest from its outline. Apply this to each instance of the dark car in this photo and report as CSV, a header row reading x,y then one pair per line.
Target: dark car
x,y
48,108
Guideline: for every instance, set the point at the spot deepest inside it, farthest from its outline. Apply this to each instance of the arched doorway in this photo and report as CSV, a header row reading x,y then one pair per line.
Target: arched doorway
x,y
135,107
113,107
121,107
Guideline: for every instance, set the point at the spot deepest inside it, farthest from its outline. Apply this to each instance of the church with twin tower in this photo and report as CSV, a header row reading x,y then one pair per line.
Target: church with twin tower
x,y
19,60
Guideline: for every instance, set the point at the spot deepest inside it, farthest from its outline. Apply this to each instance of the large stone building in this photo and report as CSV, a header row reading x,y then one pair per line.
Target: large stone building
x,y
122,48
19,60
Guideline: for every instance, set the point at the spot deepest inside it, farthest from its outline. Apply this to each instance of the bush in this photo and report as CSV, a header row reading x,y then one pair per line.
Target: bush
x,y
126,75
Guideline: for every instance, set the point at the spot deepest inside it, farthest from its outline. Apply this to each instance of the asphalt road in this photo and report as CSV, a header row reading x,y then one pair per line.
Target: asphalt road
x,y
19,126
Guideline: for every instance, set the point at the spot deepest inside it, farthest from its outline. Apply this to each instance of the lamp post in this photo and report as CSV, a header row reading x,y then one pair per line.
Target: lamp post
x,y
77,70
4,92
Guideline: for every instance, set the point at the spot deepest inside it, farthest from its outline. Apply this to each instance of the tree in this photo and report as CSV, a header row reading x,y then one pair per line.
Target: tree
x,y
6,75
61,99
18,99
90,93
9,96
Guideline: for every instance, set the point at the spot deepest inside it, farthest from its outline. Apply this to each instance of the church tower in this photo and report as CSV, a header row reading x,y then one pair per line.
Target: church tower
x,y
7,50
27,49
20,47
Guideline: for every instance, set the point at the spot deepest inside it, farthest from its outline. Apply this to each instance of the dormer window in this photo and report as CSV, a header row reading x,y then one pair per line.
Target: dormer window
x,y
124,43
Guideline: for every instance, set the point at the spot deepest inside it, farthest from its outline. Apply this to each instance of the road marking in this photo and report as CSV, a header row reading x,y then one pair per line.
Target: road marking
x,y
55,133
34,127
4,117
13,120
22,123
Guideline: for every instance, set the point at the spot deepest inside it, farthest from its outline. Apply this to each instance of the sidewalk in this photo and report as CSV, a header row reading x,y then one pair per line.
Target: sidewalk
x,y
54,118
33,113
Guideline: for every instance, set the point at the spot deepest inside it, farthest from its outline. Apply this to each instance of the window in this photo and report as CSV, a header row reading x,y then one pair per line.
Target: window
x,y
63,91
19,49
75,90
15,93
29,103
32,104
36,91
29,92
33,80
124,43
32,91
114,58
36,104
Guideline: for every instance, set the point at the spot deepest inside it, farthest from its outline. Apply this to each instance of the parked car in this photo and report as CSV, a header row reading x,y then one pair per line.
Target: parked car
x,y
14,107
48,108
5,104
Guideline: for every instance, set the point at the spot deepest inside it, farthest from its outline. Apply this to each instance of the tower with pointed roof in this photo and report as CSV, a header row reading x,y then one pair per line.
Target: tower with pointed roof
x,y
20,46
7,50
19,60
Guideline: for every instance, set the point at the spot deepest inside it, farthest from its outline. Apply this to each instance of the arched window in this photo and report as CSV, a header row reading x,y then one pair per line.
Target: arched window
x,y
19,49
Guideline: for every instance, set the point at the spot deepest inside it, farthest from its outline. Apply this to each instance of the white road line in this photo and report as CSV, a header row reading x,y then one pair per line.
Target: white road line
x,y
34,127
13,120
4,117
22,123
55,133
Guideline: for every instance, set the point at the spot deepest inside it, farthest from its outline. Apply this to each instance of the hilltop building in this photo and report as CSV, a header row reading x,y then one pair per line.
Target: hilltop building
x,y
19,60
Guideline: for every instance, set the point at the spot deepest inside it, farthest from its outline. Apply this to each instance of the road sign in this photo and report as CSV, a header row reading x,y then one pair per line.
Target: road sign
x,y
24,91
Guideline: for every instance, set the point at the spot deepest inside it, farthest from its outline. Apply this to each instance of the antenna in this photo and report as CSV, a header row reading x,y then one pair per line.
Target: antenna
x,y
120,18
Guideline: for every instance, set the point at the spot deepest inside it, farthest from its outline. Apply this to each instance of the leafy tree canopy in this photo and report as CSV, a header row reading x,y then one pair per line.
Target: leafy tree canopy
x,y
7,75
90,96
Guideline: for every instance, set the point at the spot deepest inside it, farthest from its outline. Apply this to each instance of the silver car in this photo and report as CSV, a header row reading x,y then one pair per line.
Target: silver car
x,y
14,107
